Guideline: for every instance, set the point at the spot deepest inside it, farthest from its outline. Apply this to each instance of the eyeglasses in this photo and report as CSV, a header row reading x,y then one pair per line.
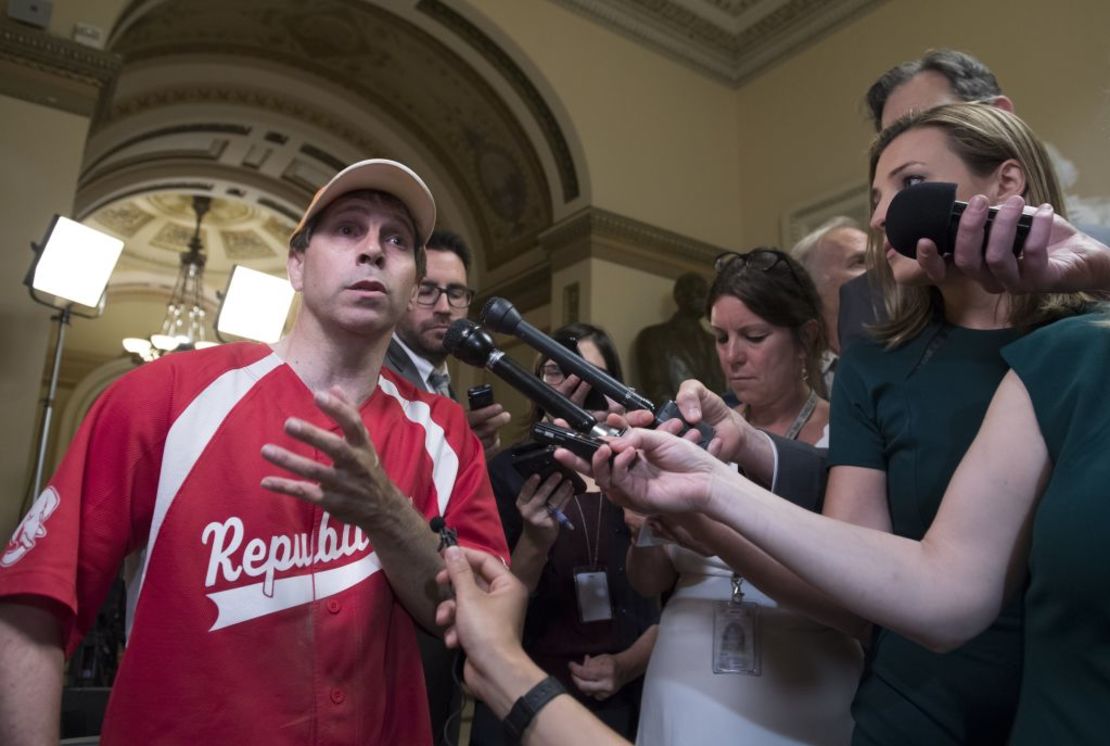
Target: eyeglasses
x,y
760,258
552,374
458,296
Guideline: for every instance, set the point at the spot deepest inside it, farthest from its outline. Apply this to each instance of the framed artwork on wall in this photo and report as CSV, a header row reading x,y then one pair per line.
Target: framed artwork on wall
x,y
852,201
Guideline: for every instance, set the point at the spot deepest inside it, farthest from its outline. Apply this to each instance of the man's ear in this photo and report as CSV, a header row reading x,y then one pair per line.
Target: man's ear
x,y
1004,103
1009,180
294,265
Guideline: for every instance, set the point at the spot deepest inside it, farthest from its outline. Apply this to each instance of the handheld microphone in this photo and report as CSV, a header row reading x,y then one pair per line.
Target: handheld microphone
x,y
930,210
470,343
501,316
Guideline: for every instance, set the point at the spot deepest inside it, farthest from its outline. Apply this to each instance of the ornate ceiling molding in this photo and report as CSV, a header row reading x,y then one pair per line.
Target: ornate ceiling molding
x,y
597,233
268,101
400,75
49,70
727,40
520,82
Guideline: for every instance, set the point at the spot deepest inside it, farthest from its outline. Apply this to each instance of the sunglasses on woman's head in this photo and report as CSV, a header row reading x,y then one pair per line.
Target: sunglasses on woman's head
x,y
760,258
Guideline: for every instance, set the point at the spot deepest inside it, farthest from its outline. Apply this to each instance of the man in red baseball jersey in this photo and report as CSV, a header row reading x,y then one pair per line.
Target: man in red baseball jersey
x,y
274,502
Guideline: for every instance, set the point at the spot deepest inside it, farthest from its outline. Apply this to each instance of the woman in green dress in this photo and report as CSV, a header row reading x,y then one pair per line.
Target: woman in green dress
x,y
905,409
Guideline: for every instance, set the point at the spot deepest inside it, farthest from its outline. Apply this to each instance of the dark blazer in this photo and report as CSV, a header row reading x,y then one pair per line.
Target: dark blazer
x,y
398,361
802,472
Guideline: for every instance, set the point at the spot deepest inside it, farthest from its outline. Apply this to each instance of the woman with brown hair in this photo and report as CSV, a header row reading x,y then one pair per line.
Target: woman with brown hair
x,y
730,664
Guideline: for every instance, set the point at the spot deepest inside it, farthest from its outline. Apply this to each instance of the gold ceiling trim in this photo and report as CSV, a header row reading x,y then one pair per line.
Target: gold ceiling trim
x,y
49,70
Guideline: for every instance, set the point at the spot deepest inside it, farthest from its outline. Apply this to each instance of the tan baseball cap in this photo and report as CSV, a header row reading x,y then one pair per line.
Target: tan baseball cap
x,y
381,175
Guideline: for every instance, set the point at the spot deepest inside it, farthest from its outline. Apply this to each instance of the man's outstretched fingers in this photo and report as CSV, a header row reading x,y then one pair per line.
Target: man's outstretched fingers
x,y
299,465
317,437
335,405
301,490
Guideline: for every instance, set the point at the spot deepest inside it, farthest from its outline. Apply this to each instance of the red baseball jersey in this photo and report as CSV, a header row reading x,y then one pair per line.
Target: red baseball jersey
x,y
252,617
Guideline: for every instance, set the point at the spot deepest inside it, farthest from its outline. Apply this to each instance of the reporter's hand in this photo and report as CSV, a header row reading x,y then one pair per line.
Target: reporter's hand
x,y
573,388
699,404
656,472
635,523
678,529
485,423
485,618
600,676
618,421
533,500
1056,256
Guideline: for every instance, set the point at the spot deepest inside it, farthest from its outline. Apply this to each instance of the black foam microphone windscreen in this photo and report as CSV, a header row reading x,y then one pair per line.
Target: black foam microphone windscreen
x,y
930,210
501,316
471,344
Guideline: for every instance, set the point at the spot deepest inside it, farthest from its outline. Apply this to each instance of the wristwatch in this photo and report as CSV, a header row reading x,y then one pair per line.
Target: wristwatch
x,y
525,708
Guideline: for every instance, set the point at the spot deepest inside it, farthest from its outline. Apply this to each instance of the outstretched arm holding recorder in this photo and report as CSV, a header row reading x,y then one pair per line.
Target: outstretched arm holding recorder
x,y
485,619
940,591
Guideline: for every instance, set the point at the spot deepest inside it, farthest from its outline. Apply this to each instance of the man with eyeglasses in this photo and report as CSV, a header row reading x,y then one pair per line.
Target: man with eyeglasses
x,y
416,353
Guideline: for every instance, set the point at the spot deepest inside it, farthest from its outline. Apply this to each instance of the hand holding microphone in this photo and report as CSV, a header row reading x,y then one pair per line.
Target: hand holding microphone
x,y
471,344
930,210
1012,247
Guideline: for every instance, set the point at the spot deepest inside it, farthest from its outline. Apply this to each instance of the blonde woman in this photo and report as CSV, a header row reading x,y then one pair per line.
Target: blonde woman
x,y
905,409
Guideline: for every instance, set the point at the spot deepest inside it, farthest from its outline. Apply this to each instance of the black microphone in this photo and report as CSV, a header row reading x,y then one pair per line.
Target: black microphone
x,y
930,210
448,537
500,315
470,343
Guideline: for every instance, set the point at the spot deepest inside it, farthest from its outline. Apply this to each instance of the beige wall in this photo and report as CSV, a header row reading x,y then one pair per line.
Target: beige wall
x,y
99,13
41,152
801,128
659,139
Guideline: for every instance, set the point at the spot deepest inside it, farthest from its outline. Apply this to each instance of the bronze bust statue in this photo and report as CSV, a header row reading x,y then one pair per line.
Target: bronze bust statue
x,y
680,348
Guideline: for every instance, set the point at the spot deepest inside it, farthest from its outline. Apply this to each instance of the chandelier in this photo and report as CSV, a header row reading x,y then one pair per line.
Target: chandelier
x,y
183,327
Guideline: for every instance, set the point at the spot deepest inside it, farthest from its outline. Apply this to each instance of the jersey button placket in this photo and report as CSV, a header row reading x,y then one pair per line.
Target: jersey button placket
x,y
334,605
337,696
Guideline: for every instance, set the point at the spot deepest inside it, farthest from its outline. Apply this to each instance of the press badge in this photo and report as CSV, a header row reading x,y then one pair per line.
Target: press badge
x,y
736,634
591,586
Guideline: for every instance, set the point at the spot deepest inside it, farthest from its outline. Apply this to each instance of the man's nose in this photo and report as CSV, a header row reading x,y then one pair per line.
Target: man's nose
x,y
370,252
442,304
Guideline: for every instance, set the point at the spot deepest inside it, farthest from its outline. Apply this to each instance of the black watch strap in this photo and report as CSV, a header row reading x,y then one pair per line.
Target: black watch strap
x,y
525,708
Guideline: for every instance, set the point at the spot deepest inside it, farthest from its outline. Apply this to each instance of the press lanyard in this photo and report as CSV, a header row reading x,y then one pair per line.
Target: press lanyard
x,y
592,556
803,416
